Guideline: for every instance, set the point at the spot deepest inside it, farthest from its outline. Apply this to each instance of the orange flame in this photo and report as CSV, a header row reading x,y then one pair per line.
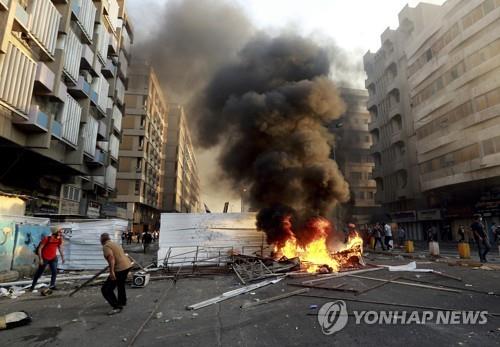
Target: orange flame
x,y
316,254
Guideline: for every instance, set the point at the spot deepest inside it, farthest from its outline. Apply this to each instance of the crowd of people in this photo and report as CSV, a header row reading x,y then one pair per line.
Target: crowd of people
x,y
390,235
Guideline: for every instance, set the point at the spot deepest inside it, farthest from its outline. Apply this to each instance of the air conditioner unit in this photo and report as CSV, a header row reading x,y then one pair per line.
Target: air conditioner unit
x,y
140,279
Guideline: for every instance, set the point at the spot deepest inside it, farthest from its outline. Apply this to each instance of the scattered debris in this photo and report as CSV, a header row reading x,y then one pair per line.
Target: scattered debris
x,y
233,293
99,273
14,319
409,284
159,315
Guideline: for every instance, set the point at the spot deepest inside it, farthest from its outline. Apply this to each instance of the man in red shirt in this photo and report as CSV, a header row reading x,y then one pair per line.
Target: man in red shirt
x,y
47,255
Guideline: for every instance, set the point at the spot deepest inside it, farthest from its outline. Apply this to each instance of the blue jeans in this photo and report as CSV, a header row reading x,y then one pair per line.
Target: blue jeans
x,y
53,272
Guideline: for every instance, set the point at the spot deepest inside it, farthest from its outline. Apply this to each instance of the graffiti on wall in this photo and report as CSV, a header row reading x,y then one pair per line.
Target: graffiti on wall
x,y
28,236
7,234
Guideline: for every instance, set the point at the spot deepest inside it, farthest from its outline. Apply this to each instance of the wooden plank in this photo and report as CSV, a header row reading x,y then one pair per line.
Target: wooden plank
x,y
274,298
409,284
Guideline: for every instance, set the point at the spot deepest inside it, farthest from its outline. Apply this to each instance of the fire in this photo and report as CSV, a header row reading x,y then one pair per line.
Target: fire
x,y
316,254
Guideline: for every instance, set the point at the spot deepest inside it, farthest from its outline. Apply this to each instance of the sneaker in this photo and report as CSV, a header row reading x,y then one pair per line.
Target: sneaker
x,y
53,288
114,311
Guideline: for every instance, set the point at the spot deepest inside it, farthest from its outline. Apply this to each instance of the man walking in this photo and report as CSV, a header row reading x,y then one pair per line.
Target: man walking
x,y
377,233
119,266
146,240
47,255
483,246
388,236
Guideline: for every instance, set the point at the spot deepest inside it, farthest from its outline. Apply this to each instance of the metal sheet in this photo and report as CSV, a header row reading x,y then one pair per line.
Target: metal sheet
x,y
82,247
181,234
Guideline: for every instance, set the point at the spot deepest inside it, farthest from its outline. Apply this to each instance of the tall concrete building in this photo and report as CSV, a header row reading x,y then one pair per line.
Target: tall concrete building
x,y
446,57
63,67
352,154
182,184
142,151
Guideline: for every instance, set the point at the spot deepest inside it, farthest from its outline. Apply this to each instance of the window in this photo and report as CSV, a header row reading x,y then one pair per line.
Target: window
x,y
71,193
137,187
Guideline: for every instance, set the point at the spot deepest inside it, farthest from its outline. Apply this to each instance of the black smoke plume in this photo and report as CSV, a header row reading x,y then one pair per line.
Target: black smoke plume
x,y
187,40
270,112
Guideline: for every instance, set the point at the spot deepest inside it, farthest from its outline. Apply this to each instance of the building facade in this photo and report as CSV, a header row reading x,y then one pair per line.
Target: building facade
x,y
447,58
352,154
140,182
182,184
63,67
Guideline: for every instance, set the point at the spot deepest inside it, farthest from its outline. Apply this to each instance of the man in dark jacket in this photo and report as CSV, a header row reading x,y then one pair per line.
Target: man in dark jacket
x,y
481,238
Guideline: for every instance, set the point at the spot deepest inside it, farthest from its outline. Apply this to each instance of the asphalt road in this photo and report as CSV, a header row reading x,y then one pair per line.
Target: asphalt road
x,y
82,320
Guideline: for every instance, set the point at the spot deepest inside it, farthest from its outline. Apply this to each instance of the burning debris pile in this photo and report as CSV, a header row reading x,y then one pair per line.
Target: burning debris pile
x,y
308,240
269,112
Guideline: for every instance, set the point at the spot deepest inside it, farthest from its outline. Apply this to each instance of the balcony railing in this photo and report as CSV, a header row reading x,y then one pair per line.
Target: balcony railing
x,y
102,130
3,5
17,77
112,45
37,121
72,56
45,24
81,89
56,129
22,19
109,69
44,77
90,136
87,57
70,120
117,119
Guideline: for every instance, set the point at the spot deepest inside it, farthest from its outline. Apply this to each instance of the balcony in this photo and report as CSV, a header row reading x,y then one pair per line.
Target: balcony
x,y
22,19
396,136
112,46
81,89
99,158
102,131
109,69
3,5
37,121
44,78
94,97
87,58
117,119
56,129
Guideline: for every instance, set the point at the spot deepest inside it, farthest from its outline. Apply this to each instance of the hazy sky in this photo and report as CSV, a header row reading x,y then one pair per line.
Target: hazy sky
x,y
355,25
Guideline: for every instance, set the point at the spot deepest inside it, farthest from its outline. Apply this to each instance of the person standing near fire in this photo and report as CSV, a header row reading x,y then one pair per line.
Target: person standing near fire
x,y
481,238
377,234
119,267
388,236
47,255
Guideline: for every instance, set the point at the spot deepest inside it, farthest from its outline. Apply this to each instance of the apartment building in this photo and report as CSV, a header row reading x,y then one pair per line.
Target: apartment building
x,y
62,71
392,125
449,95
352,154
182,184
142,151
453,70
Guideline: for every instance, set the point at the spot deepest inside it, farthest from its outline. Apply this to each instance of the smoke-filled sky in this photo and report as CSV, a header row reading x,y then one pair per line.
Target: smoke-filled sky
x,y
189,41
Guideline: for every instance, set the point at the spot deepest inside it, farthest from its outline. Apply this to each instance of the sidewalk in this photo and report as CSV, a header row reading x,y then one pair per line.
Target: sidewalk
x,y
448,251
